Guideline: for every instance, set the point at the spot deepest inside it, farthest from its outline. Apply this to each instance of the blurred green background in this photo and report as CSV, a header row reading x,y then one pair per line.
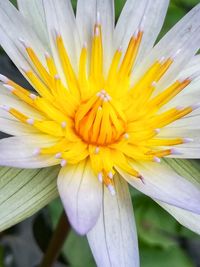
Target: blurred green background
x,y
163,242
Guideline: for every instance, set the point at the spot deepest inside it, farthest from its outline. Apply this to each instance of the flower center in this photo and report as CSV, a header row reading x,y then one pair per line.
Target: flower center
x,y
98,121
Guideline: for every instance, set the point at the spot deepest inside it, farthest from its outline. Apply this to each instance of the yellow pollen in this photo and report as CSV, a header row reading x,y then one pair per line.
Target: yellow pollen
x,y
100,117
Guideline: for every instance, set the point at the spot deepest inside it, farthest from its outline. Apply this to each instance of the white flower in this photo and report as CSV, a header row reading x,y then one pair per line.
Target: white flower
x,y
108,105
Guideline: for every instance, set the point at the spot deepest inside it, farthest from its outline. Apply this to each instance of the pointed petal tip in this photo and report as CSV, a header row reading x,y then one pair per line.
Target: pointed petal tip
x,y
81,195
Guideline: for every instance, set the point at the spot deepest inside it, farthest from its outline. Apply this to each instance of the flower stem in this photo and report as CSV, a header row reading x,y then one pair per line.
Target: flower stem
x,y
56,242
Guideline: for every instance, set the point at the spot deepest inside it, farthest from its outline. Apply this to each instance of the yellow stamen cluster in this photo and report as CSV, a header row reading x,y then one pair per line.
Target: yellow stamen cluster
x,y
101,117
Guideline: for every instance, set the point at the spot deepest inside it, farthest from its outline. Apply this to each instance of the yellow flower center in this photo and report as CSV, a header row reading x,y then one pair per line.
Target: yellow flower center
x,y
98,122
103,118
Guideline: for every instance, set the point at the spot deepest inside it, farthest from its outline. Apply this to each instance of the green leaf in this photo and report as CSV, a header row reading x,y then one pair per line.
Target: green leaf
x,y
24,192
155,226
55,211
173,257
118,7
77,251
174,14
189,169
14,2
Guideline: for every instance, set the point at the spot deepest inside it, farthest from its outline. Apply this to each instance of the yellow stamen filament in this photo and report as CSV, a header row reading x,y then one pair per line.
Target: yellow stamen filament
x,y
67,67
169,93
130,56
114,66
38,65
38,85
51,65
97,54
18,115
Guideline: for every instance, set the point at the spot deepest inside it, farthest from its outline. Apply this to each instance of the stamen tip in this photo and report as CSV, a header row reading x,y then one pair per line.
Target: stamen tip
x,y
105,99
119,49
57,77
157,130
3,78
175,151
136,33
57,33
58,155
47,55
187,140
99,94
110,175
179,108
97,149
4,107
23,42
96,32
63,163
36,151
126,136
30,121
109,97
32,96
85,45
154,84
63,124
25,69
156,159
162,59
100,177
111,189
9,87
141,178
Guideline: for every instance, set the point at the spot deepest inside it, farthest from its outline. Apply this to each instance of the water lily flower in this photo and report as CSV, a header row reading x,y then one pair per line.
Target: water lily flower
x,y
110,108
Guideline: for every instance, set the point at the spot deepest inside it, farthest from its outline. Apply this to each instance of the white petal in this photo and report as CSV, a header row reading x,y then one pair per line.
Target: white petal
x,y
80,192
184,217
163,183
113,240
19,151
34,13
181,43
14,127
14,26
151,14
192,67
86,17
60,19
